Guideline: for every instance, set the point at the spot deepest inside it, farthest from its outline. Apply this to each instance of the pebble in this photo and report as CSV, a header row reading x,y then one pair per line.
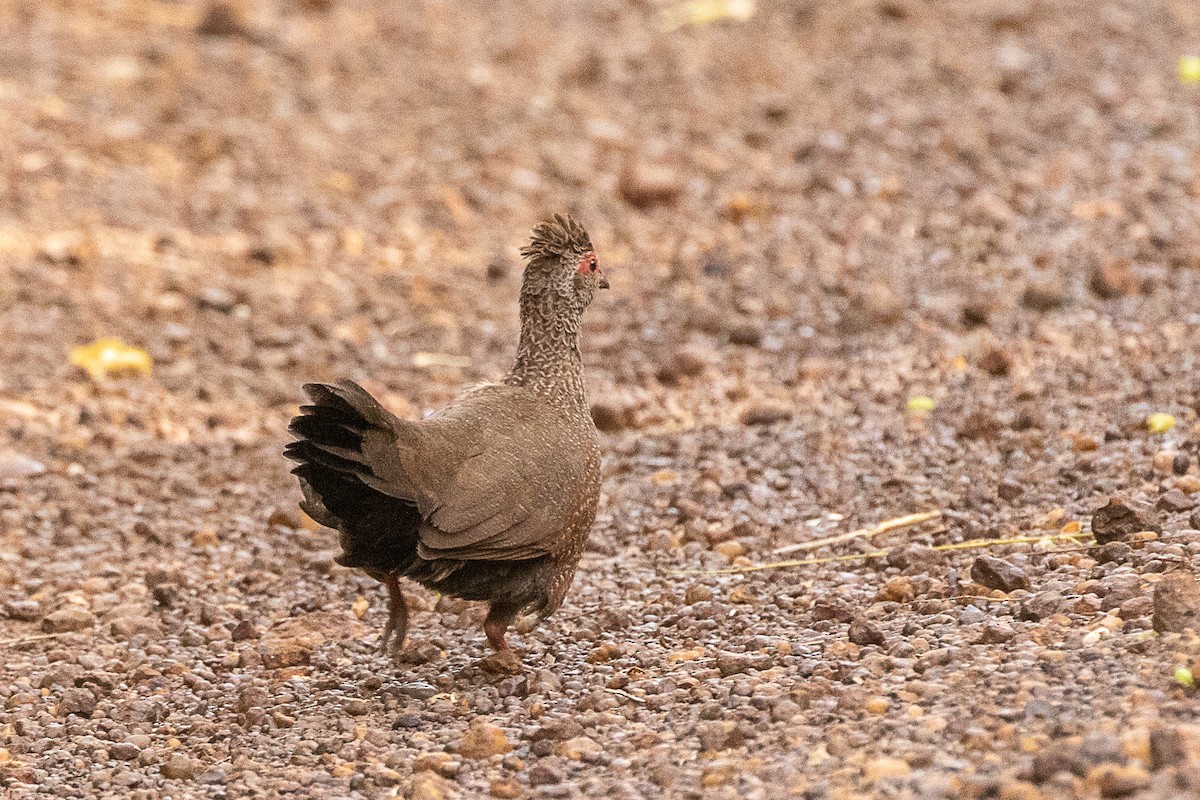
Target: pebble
x,y
544,775
431,786
1044,295
23,610
1118,521
765,414
1175,501
996,573
81,702
1113,780
69,618
881,769
179,767
898,590
1177,603
645,186
1041,605
16,466
863,633
483,740
124,751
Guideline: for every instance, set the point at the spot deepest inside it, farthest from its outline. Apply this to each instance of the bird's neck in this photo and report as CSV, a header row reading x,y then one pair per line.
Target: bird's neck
x,y
548,359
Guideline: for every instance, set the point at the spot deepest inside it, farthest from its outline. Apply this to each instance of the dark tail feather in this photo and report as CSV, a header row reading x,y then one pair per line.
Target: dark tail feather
x,y
378,532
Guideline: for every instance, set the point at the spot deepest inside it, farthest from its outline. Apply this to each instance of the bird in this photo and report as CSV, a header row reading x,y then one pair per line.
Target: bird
x,y
490,498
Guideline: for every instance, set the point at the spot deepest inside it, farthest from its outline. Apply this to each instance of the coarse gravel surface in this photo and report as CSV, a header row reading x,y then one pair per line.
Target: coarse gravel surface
x,y
868,259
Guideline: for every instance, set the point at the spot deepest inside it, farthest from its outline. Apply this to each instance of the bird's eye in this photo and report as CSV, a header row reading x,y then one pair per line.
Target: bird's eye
x,y
592,265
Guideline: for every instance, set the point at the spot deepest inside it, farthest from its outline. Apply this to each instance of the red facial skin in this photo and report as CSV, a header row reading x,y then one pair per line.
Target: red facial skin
x,y
588,265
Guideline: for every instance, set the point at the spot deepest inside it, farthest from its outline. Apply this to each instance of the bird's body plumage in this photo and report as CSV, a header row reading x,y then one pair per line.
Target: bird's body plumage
x,y
490,498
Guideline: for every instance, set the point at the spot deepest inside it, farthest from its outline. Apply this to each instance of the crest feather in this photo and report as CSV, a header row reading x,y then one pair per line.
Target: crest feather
x,y
557,237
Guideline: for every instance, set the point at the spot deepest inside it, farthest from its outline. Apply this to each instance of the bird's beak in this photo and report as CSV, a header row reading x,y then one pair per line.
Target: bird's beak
x,y
602,282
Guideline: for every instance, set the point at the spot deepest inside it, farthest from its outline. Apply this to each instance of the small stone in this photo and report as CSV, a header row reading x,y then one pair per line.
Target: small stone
x,y
557,731
1117,521
1188,484
996,573
1164,461
243,630
1009,490
979,425
216,299
765,414
15,466
864,633
483,740
876,705
679,365
1177,603
996,361
719,735
543,774
505,789
1044,295
730,549
70,618
578,748
443,764
356,707
430,786
1114,780
609,418
1040,606
934,658
785,710
23,610
996,633
124,751
418,689
745,333
1019,790
285,653
1114,279
697,593
128,627
605,652
898,590
179,767
1175,501
645,186
80,702
1167,748
881,769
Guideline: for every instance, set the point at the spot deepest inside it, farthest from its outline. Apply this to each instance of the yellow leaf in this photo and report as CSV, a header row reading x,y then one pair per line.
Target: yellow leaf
x,y
106,357
1189,69
1160,423
921,404
360,606
706,12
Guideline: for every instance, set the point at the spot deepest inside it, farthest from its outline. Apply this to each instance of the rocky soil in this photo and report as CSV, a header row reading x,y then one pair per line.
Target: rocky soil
x,y
869,259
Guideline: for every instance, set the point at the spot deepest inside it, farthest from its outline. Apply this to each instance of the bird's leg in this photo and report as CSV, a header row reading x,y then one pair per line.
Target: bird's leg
x,y
396,629
504,660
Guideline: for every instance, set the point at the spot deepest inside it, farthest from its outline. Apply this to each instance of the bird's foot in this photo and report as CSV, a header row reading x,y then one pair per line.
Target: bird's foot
x,y
502,662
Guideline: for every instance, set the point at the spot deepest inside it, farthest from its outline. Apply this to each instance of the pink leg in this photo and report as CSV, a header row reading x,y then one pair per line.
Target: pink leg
x,y
504,661
396,629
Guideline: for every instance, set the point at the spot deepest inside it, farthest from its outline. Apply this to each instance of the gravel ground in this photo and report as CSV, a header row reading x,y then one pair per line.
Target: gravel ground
x,y
868,259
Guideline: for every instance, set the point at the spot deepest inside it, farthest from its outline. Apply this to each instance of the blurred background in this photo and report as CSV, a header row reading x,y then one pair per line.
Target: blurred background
x,y
867,258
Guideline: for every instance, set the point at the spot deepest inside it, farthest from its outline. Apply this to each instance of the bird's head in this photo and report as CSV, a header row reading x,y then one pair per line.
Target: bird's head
x,y
561,264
